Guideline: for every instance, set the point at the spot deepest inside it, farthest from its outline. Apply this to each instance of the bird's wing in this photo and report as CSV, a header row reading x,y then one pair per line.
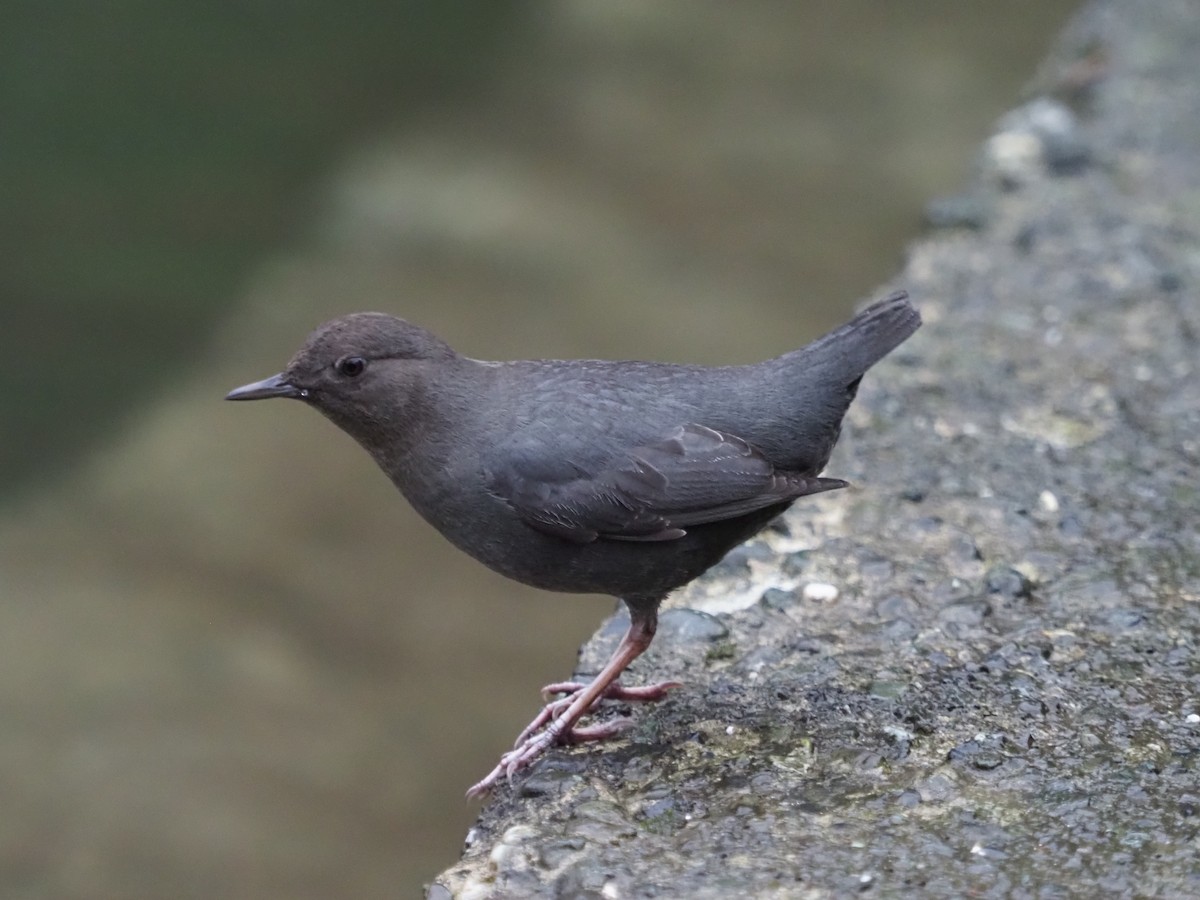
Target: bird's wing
x,y
653,492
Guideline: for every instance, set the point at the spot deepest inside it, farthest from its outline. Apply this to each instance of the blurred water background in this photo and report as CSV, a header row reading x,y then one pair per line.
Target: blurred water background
x,y
232,662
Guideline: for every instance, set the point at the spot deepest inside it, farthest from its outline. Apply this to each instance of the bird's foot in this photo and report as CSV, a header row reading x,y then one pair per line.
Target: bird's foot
x,y
615,691
555,725
554,709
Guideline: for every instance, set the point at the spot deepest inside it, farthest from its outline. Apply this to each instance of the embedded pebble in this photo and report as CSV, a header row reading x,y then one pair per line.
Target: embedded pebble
x,y
936,788
909,799
778,598
1015,156
1007,582
601,821
690,625
507,850
820,592
966,612
556,853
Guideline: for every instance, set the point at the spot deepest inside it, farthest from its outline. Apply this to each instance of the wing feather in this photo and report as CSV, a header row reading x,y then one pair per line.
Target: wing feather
x,y
694,476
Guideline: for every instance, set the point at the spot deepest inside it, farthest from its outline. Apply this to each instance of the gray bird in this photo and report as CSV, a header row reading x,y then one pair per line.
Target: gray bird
x,y
589,476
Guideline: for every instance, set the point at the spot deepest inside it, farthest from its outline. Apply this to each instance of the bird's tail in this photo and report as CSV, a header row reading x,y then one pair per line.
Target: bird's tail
x,y
845,353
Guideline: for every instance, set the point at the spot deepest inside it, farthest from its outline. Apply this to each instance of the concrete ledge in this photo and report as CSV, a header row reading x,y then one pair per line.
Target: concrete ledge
x,y
976,673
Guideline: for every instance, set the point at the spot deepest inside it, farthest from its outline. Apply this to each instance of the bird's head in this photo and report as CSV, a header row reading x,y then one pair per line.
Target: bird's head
x,y
357,370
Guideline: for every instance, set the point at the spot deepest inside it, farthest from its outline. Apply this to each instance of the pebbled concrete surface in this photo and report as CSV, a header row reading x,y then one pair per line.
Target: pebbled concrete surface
x,y
975,673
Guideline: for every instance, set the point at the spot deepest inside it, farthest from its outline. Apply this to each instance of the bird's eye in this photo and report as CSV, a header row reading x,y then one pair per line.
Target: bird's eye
x,y
350,366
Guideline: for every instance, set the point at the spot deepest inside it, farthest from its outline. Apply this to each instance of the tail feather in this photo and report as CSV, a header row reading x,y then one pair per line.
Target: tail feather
x,y
806,393
849,350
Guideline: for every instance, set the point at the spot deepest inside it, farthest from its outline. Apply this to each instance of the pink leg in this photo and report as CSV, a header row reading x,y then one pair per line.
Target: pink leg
x,y
556,722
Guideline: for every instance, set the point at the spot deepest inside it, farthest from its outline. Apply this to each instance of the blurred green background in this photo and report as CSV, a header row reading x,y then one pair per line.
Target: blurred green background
x,y
232,663
153,151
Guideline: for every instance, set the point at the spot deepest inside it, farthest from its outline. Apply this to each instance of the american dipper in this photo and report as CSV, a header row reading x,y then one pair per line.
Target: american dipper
x,y
589,476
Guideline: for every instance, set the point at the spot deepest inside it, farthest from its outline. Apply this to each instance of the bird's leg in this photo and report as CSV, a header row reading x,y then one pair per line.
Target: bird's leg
x,y
556,722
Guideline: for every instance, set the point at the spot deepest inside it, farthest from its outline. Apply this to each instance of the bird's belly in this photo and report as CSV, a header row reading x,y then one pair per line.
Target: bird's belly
x,y
626,569
491,531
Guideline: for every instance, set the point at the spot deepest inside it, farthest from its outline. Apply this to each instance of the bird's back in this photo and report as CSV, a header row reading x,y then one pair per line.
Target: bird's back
x,y
789,407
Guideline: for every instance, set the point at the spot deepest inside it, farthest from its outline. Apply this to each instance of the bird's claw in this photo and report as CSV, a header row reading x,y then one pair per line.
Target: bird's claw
x,y
549,727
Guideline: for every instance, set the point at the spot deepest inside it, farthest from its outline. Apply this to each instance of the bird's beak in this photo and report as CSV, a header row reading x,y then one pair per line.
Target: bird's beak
x,y
275,386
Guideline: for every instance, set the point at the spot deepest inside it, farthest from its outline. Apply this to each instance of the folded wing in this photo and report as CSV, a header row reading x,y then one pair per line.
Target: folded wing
x,y
654,492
